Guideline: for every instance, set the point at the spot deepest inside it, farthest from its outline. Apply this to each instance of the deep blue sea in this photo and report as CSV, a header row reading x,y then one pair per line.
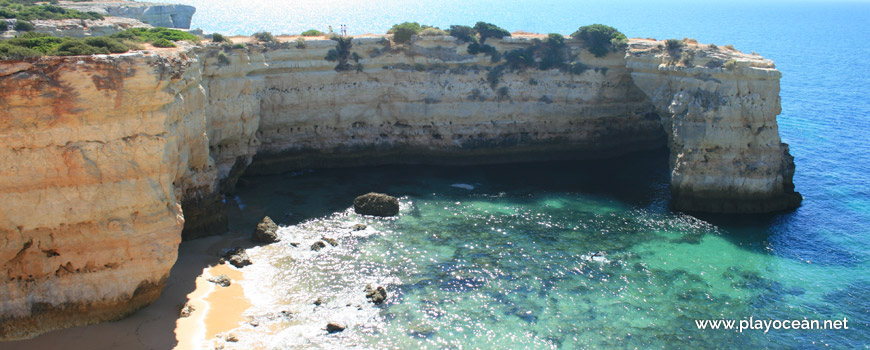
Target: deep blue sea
x,y
502,265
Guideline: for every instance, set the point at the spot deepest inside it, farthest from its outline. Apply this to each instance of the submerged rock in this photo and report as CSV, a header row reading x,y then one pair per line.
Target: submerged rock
x,y
237,257
377,295
359,227
332,241
377,204
318,246
334,327
266,232
186,310
221,280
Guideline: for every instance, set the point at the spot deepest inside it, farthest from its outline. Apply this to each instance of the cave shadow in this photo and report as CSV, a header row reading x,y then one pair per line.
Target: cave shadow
x,y
638,179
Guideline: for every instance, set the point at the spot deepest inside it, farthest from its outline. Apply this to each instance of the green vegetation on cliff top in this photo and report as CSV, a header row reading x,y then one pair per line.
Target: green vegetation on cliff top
x,y
28,10
32,44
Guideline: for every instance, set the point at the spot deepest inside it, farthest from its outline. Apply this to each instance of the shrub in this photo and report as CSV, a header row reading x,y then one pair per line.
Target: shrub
x,y
673,46
577,67
476,48
152,34
414,26
463,33
265,37
239,46
552,51
600,38
312,32
223,59
730,47
44,43
331,55
78,48
28,11
519,58
432,32
4,26
494,75
489,30
503,93
403,32
731,64
12,52
300,43
23,26
162,43
219,38
112,45
713,47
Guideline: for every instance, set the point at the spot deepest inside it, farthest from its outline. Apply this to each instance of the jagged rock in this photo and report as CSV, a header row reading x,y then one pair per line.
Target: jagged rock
x,y
334,327
318,302
231,337
186,310
238,257
266,232
318,246
221,280
359,227
332,241
377,204
376,295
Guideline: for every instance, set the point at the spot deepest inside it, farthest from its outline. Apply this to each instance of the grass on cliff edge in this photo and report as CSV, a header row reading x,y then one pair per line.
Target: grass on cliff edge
x,y
28,10
32,44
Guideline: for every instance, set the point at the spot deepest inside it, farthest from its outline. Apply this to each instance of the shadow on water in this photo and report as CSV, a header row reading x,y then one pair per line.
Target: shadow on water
x,y
638,179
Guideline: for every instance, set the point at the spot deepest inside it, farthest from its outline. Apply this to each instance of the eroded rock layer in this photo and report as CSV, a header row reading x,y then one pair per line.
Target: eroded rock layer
x,y
108,161
726,153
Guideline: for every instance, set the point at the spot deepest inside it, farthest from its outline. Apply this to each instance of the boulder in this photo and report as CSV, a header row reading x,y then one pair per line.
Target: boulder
x,y
377,295
332,241
333,327
266,232
221,280
318,246
359,227
186,310
237,257
377,204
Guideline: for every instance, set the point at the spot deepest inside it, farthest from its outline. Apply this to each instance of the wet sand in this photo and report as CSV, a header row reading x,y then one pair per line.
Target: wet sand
x,y
158,326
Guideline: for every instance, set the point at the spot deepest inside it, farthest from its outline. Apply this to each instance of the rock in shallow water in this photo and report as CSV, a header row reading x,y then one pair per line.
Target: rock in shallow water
x,y
266,232
359,227
221,280
237,257
332,241
377,204
333,327
376,296
318,246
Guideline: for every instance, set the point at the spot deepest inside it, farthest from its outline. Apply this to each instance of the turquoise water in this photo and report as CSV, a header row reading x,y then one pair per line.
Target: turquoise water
x,y
502,266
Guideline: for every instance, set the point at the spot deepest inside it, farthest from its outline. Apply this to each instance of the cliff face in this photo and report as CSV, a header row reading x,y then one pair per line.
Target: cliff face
x,y
106,160
158,15
726,153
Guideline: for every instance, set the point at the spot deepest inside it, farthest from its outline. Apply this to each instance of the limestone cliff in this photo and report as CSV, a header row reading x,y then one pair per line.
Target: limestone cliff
x,y
719,108
158,15
106,160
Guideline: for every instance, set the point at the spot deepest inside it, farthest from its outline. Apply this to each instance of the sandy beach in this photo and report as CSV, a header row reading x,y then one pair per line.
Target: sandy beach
x,y
217,309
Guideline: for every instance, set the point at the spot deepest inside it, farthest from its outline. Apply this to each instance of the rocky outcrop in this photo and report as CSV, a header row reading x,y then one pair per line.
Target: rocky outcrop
x,y
266,231
158,15
377,204
108,161
719,109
